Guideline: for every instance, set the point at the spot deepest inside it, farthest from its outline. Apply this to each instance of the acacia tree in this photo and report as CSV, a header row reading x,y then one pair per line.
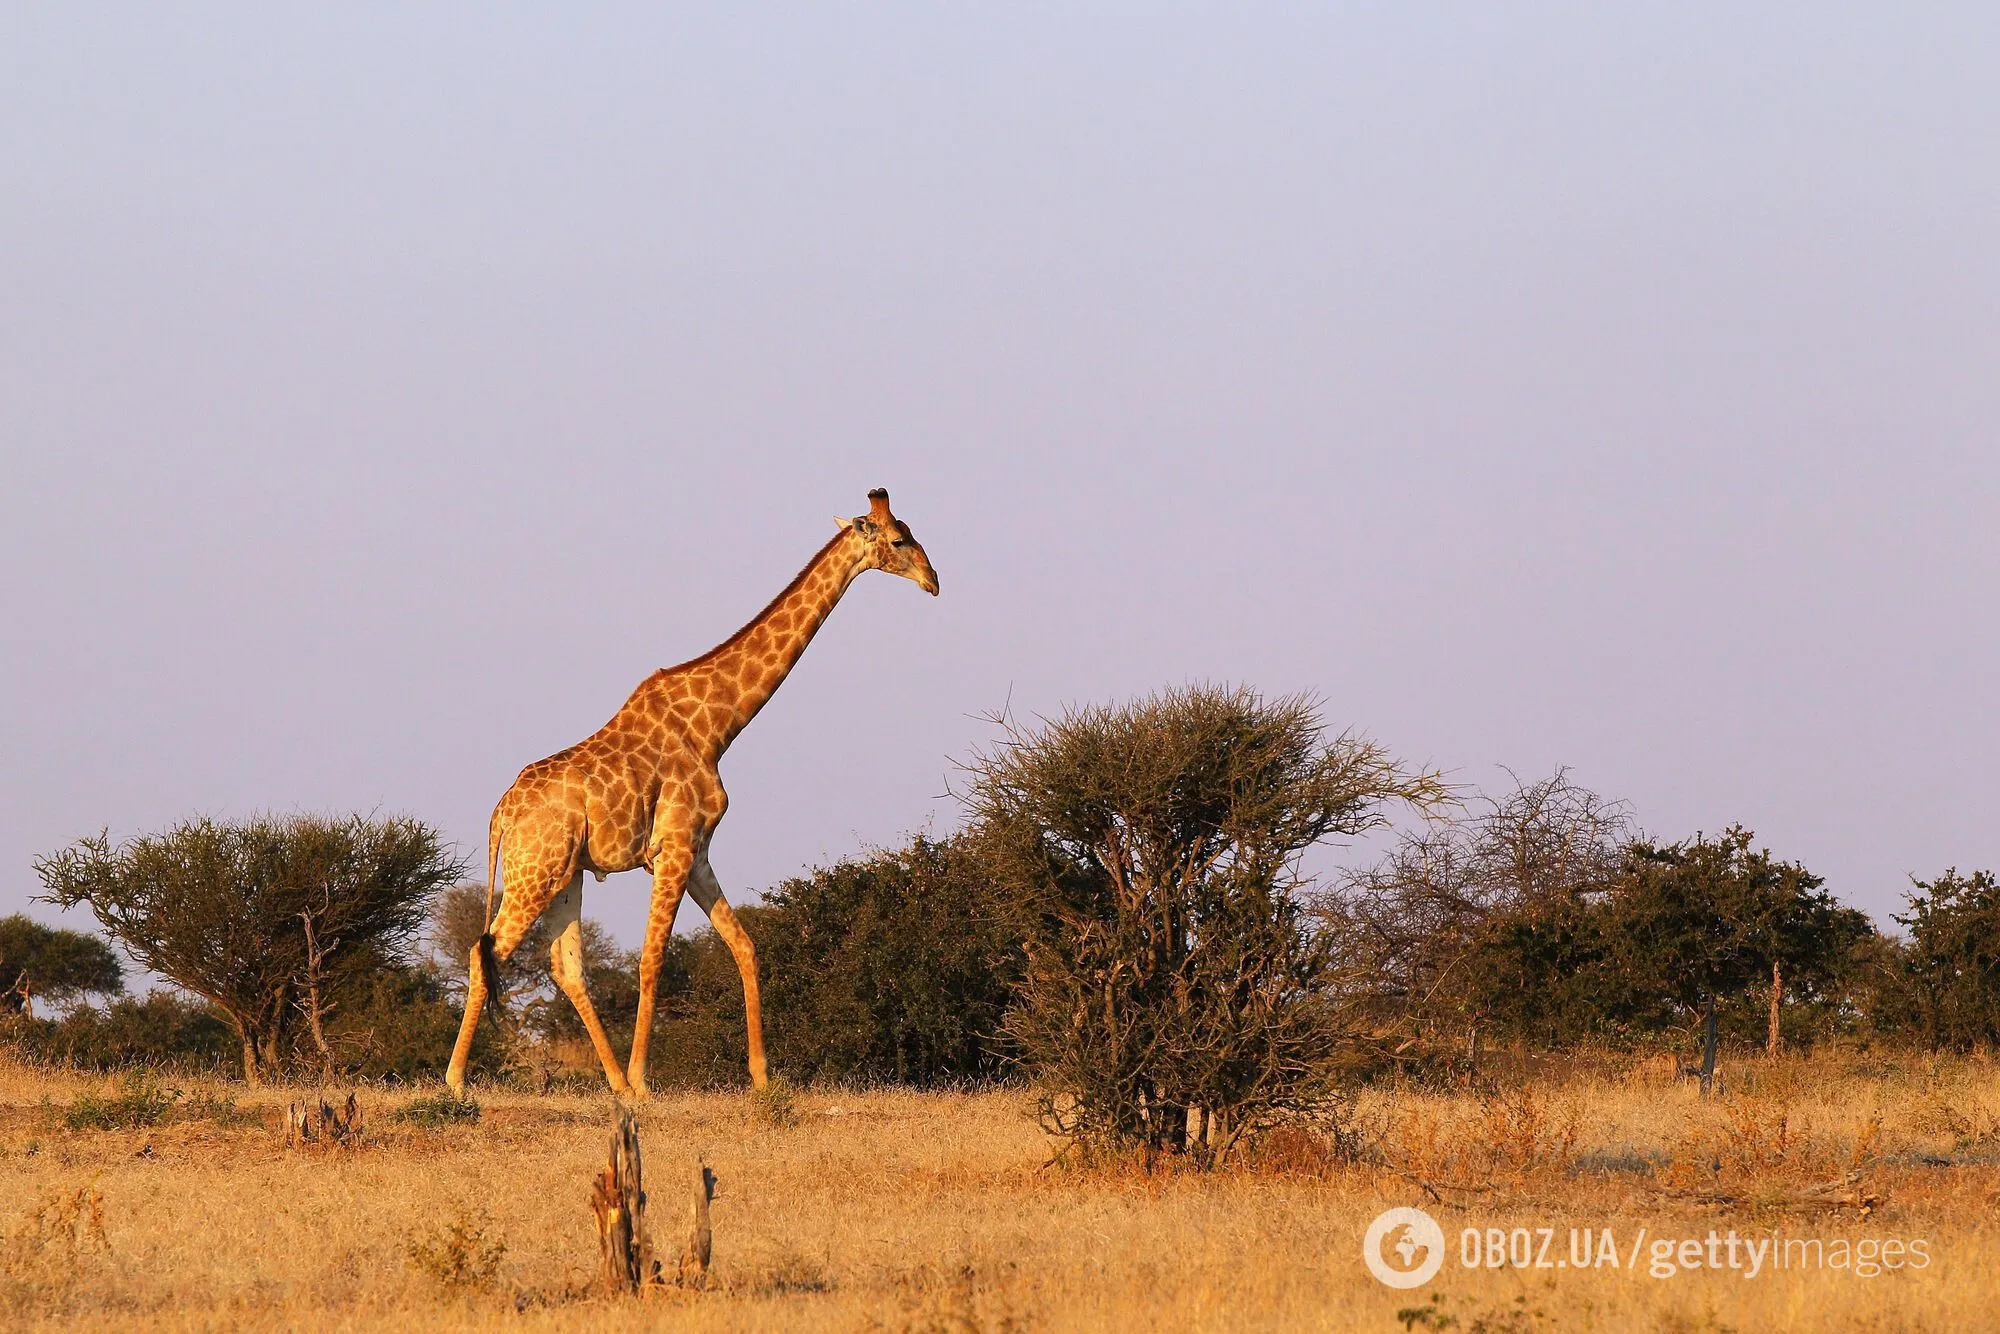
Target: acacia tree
x,y
260,915
1702,919
1951,965
1174,994
52,964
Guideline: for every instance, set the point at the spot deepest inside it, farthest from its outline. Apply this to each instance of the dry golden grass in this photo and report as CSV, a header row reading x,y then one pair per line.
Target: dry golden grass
x,y
899,1211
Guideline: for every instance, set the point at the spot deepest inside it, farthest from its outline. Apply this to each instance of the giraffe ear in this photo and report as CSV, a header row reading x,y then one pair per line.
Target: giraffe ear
x,y
842,522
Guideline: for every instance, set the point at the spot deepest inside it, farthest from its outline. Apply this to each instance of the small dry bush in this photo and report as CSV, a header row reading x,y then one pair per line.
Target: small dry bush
x,y
458,1254
1473,1144
792,1274
1295,1149
1959,1112
1519,1316
951,1299
1316,1145
1765,1150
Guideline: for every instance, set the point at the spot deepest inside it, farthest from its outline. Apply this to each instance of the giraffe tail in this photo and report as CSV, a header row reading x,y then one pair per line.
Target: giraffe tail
x,y
489,974
489,962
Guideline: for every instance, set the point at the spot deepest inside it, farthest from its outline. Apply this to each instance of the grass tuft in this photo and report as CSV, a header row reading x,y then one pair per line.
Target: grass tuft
x,y
774,1105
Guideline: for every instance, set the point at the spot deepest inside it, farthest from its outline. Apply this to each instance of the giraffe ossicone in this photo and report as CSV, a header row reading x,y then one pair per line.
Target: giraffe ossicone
x,y
643,790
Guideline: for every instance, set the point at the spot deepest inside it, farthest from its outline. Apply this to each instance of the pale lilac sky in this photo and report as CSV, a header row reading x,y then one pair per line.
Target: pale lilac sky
x,y
383,395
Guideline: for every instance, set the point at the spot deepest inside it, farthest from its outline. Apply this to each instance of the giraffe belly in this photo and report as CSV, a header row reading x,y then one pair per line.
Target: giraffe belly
x,y
618,825
608,850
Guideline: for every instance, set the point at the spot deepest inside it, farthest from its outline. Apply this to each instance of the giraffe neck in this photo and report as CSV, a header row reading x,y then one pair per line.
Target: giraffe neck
x,y
752,663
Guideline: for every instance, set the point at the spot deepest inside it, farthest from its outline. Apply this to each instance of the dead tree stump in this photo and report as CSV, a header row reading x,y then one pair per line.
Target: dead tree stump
x,y
324,1126
618,1199
619,1202
700,1242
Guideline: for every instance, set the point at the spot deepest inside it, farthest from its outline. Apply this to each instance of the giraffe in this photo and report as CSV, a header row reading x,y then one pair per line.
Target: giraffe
x,y
643,790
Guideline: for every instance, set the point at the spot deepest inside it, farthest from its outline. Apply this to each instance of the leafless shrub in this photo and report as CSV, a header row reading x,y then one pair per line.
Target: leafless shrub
x,y
458,1253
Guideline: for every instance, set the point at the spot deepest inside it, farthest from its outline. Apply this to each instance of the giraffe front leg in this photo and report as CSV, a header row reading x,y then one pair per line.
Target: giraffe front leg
x,y
670,877
708,893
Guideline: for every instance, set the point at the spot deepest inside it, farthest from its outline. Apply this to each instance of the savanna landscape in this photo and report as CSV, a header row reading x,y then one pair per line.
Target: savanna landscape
x,y
1110,1056
1413,754
889,1210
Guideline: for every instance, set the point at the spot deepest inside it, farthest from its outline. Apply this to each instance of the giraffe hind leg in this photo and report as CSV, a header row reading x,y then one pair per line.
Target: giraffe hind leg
x,y
530,890
476,991
566,967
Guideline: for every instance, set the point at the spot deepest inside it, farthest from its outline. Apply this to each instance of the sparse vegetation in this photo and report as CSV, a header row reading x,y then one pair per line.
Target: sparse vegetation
x,y
1495,1022
138,1101
458,1253
436,1111
934,1210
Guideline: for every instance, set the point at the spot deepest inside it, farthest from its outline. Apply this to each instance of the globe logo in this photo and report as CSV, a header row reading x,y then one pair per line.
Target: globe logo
x,y
1403,1248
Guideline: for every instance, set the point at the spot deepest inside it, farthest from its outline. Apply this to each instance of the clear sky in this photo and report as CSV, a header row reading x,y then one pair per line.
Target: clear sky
x,y
384,393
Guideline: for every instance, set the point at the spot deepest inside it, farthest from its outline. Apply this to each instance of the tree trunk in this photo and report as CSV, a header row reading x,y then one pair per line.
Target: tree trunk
x,y
1708,1035
249,1059
315,956
268,1051
1777,993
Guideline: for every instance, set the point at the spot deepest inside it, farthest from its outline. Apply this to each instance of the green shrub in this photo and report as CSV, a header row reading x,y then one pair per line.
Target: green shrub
x,y
437,1111
49,964
161,1030
893,968
398,1022
1945,986
139,1102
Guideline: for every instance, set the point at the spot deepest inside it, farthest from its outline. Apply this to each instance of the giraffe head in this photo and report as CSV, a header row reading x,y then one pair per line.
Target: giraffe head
x,y
889,543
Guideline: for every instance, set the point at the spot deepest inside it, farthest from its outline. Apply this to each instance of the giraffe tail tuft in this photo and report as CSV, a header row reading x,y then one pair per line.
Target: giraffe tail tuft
x,y
489,975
